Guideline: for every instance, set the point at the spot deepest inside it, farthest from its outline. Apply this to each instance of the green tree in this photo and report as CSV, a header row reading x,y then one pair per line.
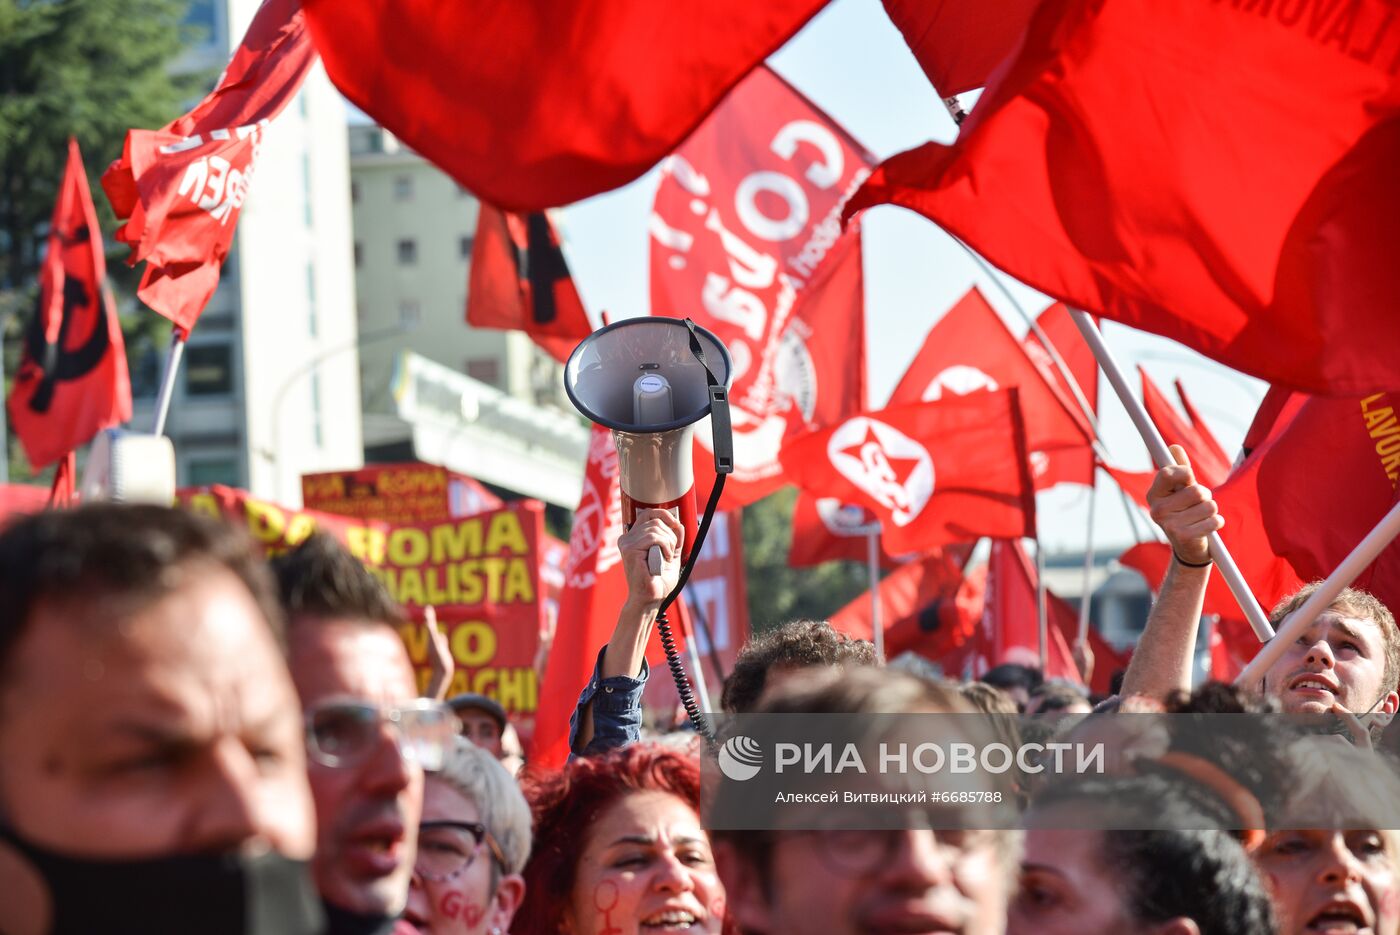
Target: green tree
x,y
778,593
90,69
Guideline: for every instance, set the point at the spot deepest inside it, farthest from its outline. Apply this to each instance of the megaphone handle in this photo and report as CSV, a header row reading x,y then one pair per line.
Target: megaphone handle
x,y
654,560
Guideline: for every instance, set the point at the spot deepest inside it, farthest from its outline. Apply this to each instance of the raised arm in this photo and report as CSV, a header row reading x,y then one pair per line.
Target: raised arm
x,y
610,709
1187,514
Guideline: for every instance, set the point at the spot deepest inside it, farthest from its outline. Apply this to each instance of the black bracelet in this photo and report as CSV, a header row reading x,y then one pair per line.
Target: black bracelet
x,y
1181,561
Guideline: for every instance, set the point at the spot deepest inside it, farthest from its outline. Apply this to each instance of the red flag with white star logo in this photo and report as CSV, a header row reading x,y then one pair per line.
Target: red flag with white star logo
x,y
934,473
971,350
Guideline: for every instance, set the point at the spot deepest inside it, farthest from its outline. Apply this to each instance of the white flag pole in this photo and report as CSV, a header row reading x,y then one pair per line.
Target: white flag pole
x,y
167,379
872,558
1157,446
1087,593
1345,573
1042,629
1101,452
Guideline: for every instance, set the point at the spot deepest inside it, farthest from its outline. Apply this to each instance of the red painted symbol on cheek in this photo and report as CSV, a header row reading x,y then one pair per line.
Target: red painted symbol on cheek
x,y
605,899
454,905
717,907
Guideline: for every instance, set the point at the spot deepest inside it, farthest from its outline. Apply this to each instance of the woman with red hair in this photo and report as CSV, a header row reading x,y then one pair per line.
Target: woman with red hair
x,y
619,849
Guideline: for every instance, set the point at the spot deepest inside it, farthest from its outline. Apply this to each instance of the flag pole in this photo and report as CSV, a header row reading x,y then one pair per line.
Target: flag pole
x,y
1086,595
1157,446
1062,368
1042,622
167,379
872,559
1354,564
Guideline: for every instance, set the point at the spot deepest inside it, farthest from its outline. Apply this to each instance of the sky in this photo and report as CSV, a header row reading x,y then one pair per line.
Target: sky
x,y
852,62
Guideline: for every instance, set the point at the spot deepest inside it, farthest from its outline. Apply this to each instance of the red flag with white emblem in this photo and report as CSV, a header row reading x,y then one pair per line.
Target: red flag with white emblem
x,y
934,473
824,529
970,350
746,240
181,188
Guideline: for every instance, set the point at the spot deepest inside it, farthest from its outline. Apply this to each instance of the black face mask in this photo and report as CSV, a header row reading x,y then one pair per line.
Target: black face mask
x,y
225,894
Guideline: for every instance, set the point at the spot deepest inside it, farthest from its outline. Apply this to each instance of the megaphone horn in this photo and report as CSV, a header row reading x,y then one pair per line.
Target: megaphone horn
x,y
651,380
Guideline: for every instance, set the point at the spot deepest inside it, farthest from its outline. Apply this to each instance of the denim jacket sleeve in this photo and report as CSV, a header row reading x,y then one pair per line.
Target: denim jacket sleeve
x,y
617,710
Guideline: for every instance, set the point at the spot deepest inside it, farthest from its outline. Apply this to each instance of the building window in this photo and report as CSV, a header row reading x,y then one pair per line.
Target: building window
x,y
316,409
209,370
410,312
403,188
359,254
205,471
311,299
485,369
306,181
354,192
464,247
408,252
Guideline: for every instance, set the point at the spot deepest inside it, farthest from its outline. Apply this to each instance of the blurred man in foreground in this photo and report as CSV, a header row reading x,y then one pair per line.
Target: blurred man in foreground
x,y
368,737
152,773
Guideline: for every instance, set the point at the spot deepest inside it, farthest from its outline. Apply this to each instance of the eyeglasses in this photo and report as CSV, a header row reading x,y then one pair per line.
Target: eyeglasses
x,y
345,733
446,848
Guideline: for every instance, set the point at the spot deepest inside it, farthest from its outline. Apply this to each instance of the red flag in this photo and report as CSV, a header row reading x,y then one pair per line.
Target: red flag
x,y
1065,465
181,188
1247,213
824,530
520,281
918,604
1134,483
745,239
72,379
971,349
594,591
1010,626
1107,660
958,43
1315,487
934,473
1207,461
1205,437
533,105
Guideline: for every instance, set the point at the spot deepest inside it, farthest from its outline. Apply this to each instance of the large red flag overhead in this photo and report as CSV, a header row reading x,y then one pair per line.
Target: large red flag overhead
x,y
958,42
537,104
520,281
1208,461
181,188
934,473
972,350
72,379
1246,211
746,240
1065,465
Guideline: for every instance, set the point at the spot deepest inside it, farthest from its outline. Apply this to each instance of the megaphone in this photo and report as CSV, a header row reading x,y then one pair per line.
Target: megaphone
x,y
651,380
129,467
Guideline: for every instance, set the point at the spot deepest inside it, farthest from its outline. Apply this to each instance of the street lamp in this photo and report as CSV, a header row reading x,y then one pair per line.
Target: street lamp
x,y
274,454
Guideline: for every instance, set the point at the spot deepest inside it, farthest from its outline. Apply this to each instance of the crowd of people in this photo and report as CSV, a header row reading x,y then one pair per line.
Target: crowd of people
x,y
195,740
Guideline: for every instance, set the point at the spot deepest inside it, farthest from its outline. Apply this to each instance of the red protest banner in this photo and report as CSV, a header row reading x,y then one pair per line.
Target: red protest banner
x,y
397,493
746,239
480,573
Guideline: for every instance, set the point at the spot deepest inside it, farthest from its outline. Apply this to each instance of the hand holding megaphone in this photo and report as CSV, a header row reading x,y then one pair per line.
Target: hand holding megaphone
x,y
651,555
